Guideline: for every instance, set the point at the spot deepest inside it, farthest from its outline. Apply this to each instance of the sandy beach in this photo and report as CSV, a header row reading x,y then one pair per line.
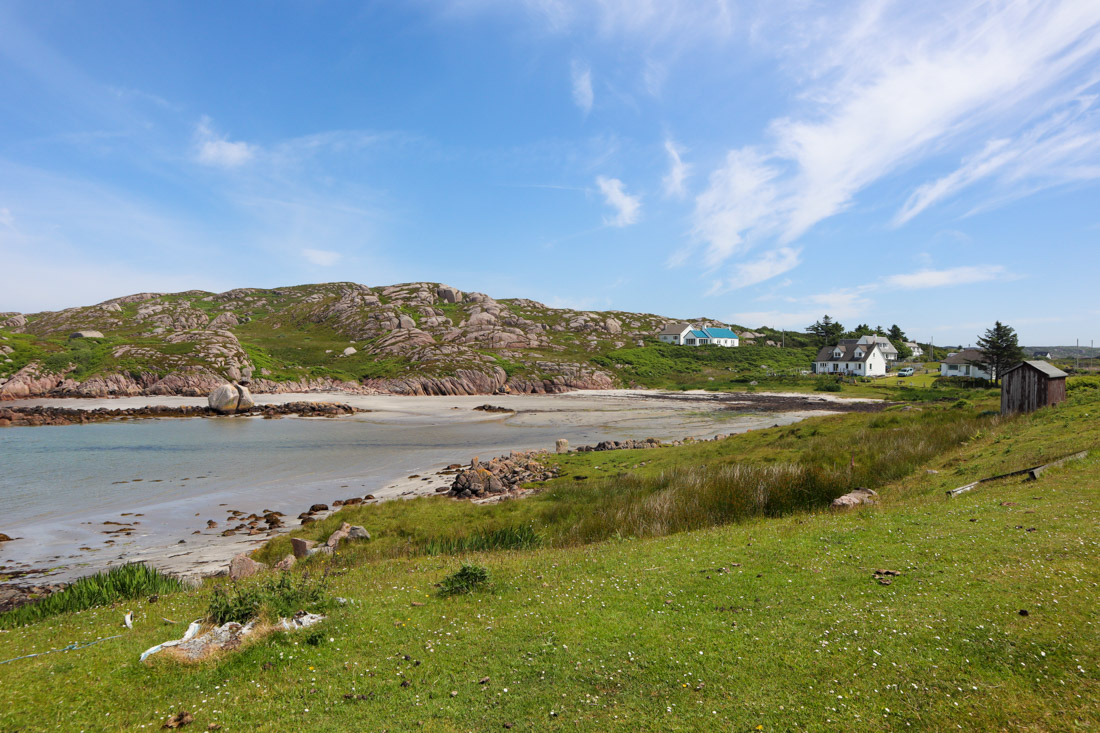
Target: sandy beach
x,y
167,539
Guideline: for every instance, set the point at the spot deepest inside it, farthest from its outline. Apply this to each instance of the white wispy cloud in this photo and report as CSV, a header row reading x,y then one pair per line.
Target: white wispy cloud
x,y
217,150
771,264
627,208
321,257
678,171
6,218
582,86
886,86
943,278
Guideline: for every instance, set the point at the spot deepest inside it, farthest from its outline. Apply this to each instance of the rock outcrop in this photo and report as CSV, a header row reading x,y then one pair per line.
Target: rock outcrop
x,y
855,498
230,399
502,475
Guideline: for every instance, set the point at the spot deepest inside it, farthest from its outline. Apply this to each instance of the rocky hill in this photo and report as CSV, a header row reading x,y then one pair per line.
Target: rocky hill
x,y
413,338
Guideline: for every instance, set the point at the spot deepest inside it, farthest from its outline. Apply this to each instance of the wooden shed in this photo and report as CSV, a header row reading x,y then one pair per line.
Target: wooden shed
x,y
1030,385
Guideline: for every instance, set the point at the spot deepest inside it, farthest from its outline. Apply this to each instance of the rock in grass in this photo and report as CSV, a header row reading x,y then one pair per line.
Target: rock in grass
x,y
301,547
286,563
561,446
338,536
358,533
855,498
243,566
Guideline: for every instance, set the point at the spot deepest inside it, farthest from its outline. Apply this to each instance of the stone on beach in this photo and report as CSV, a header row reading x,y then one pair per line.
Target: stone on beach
x,y
230,398
561,445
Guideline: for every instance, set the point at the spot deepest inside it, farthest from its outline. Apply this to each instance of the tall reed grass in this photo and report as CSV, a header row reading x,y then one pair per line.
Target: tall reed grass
x,y
125,582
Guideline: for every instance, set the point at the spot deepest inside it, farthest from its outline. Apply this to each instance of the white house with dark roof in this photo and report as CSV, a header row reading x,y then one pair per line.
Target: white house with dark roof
x,y
966,363
683,334
851,357
915,348
889,351
674,333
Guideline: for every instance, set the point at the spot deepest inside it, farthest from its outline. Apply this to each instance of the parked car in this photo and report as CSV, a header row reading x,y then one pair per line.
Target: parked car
x,y
905,372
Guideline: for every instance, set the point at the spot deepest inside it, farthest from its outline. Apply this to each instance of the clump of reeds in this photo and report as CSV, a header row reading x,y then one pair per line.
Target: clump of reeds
x,y
125,582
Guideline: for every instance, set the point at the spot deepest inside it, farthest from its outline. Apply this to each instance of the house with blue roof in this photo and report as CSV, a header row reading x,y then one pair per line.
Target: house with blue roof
x,y
683,334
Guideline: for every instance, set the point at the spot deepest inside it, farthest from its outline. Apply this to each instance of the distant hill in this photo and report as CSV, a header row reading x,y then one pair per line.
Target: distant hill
x,y
412,338
1064,352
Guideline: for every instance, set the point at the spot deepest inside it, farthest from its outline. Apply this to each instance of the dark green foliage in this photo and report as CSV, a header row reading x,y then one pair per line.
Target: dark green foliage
x,y
827,385
277,598
1000,349
467,579
826,332
125,582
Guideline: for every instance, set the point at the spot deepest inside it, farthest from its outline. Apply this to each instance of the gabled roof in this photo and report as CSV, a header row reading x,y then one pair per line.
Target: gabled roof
x,y
848,351
882,341
720,333
1045,367
673,329
966,356
698,334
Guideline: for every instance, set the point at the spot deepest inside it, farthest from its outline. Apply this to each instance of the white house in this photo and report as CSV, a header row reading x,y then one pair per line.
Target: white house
x,y
852,357
915,348
966,363
683,334
674,333
889,352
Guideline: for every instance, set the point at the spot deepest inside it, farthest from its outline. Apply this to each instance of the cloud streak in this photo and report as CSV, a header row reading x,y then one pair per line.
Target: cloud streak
x,y
583,96
216,150
896,87
678,171
627,208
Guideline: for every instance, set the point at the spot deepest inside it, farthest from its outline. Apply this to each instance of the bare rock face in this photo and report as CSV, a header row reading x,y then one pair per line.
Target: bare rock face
x,y
230,398
854,499
243,566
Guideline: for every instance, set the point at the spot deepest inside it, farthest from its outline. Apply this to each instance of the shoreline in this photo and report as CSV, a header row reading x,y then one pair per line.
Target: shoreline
x,y
619,413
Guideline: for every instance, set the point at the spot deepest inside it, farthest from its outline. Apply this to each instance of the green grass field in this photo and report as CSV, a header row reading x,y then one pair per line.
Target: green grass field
x,y
764,623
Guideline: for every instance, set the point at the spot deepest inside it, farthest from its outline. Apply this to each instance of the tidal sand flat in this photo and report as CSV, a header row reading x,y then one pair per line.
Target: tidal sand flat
x,y
79,498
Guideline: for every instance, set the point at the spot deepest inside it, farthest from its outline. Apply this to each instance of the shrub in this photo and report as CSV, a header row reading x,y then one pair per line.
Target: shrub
x,y
467,579
827,385
274,598
125,582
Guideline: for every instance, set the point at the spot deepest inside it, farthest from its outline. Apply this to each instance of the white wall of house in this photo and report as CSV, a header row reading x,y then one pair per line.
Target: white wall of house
x,y
964,370
674,339
873,366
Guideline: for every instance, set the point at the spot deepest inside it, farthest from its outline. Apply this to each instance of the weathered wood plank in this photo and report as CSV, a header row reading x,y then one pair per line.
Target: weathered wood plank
x,y
1038,470
1033,473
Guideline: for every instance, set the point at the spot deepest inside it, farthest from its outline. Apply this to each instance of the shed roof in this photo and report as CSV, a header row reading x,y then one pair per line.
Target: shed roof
x,y
1045,367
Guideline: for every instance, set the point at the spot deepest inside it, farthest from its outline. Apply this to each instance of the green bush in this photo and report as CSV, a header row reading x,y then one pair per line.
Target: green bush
x,y
467,579
827,385
125,582
274,598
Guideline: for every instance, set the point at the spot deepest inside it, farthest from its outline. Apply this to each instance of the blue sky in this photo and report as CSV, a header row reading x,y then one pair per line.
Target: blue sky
x,y
933,165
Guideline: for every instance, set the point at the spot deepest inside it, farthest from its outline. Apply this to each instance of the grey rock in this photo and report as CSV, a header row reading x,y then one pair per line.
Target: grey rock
x,y
561,445
358,533
855,498
230,398
301,547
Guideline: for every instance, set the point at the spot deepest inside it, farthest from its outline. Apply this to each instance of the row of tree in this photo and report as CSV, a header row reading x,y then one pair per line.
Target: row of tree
x,y
827,332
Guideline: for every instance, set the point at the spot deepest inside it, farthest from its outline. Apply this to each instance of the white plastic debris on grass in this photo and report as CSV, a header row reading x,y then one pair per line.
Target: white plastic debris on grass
x,y
187,636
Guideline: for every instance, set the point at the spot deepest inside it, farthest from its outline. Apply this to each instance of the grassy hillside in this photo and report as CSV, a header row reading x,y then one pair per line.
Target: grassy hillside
x,y
765,623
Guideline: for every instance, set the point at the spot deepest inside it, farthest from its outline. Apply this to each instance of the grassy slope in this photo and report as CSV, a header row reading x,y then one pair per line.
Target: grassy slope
x,y
652,635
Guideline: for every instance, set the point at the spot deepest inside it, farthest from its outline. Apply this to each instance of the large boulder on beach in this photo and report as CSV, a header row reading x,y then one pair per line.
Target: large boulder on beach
x,y
230,398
